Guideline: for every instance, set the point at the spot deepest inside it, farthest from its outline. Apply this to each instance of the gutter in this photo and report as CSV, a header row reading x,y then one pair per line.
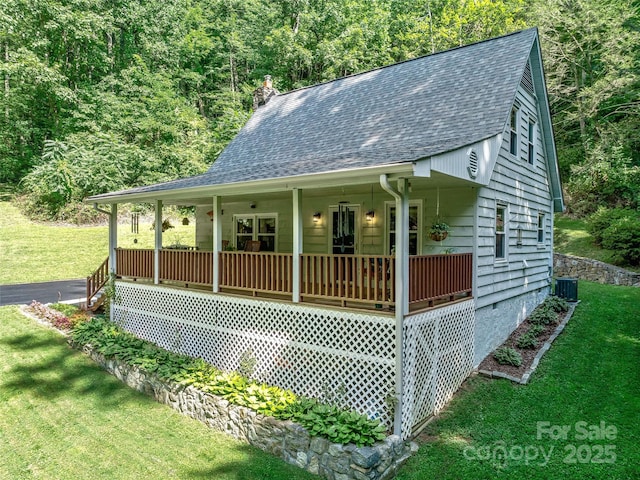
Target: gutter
x,y
315,180
106,212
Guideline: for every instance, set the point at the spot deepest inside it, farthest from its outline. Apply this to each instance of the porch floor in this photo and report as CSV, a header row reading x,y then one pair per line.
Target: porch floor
x,y
309,300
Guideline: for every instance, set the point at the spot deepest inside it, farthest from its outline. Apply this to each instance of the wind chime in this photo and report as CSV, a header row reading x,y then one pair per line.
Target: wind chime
x,y
135,224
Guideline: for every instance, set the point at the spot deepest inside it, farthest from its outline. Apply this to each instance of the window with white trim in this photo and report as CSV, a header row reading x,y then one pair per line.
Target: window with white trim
x,y
540,228
513,128
501,232
531,152
256,227
415,214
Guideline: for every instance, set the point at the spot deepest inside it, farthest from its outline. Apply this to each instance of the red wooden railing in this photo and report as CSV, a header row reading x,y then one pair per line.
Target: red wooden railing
x,y
437,277
97,280
346,278
188,266
360,278
135,263
257,271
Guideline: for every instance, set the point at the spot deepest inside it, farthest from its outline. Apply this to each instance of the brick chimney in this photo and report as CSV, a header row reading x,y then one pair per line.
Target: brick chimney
x,y
263,94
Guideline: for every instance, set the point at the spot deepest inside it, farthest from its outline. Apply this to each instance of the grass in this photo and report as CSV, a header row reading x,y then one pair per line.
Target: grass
x,y
63,417
36,252
590,375
571,238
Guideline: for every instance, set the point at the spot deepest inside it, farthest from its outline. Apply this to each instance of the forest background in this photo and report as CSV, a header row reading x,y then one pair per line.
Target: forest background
x,y
101,95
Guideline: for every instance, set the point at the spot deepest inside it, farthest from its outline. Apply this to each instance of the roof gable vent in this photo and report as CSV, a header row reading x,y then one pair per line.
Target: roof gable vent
x,y
527,80
472,168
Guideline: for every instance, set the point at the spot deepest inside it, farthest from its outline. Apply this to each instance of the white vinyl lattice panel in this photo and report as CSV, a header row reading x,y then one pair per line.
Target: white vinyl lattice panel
x,y
346,357
438,356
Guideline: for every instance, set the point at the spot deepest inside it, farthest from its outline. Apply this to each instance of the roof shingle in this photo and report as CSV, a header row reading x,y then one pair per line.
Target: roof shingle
x,y
399,113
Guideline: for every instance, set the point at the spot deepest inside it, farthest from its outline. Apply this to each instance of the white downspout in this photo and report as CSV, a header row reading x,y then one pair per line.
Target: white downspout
x,y
402,284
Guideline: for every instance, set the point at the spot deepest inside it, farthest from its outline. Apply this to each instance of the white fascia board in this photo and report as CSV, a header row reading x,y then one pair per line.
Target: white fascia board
x,y
455,163
537,71
422,168
343,177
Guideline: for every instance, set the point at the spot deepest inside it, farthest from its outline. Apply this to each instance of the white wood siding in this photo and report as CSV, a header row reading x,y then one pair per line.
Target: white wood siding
x,y
524,189
456,208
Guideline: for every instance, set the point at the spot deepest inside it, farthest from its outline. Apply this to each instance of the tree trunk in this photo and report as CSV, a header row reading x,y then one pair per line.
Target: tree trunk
x,y
6,82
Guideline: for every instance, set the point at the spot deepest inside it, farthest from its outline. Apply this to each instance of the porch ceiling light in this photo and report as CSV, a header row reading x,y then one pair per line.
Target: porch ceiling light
x,y
370,215
317,216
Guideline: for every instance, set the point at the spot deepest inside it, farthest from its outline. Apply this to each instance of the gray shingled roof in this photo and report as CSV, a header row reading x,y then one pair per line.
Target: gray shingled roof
x,y
400,113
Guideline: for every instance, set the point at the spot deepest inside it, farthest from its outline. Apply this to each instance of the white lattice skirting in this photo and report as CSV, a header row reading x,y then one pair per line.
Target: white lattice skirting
x,y
438,356
346,357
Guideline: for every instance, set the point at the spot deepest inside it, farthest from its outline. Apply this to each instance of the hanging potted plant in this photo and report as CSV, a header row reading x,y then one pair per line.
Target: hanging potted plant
x,y
439,230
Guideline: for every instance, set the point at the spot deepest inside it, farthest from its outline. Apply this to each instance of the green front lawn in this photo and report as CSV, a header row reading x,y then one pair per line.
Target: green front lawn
x,y
37,252
590,375
62,417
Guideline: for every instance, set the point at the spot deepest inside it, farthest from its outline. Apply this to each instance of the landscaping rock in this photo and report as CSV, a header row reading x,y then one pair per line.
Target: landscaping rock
x,y
283,439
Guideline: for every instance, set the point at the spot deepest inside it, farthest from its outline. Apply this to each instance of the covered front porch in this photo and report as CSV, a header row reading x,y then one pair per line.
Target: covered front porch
x,y
312,279
357,245
355,281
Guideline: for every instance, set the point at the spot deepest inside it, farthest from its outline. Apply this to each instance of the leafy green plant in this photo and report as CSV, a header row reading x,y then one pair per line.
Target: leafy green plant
x,y
335,423
602,219
247,363
110,294
623,237
543,315
536,330
508,356
439,229
527,340
558,304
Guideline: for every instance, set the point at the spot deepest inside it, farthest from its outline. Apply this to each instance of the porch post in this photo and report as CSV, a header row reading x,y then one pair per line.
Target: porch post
x,y
157,243
402,292
402,249
297,243
217,241
113,244
113,237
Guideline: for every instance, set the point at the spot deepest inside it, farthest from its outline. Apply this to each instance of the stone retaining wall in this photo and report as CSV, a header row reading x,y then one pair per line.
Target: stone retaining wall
x,y
284,439
593,270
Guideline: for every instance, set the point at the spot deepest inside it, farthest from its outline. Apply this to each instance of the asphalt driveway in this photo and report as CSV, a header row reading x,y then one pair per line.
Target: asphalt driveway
x,y
44,292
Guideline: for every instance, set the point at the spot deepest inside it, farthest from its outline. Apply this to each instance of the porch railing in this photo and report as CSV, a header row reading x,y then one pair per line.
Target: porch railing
x,y
439,277
257,271
366,279
361,278
96,281
135,263
187,266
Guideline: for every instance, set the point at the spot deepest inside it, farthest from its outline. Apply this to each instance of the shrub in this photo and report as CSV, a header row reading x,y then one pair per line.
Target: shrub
x,y
602,219
623,237
543,315
558,304
508,356
527,340
536,330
